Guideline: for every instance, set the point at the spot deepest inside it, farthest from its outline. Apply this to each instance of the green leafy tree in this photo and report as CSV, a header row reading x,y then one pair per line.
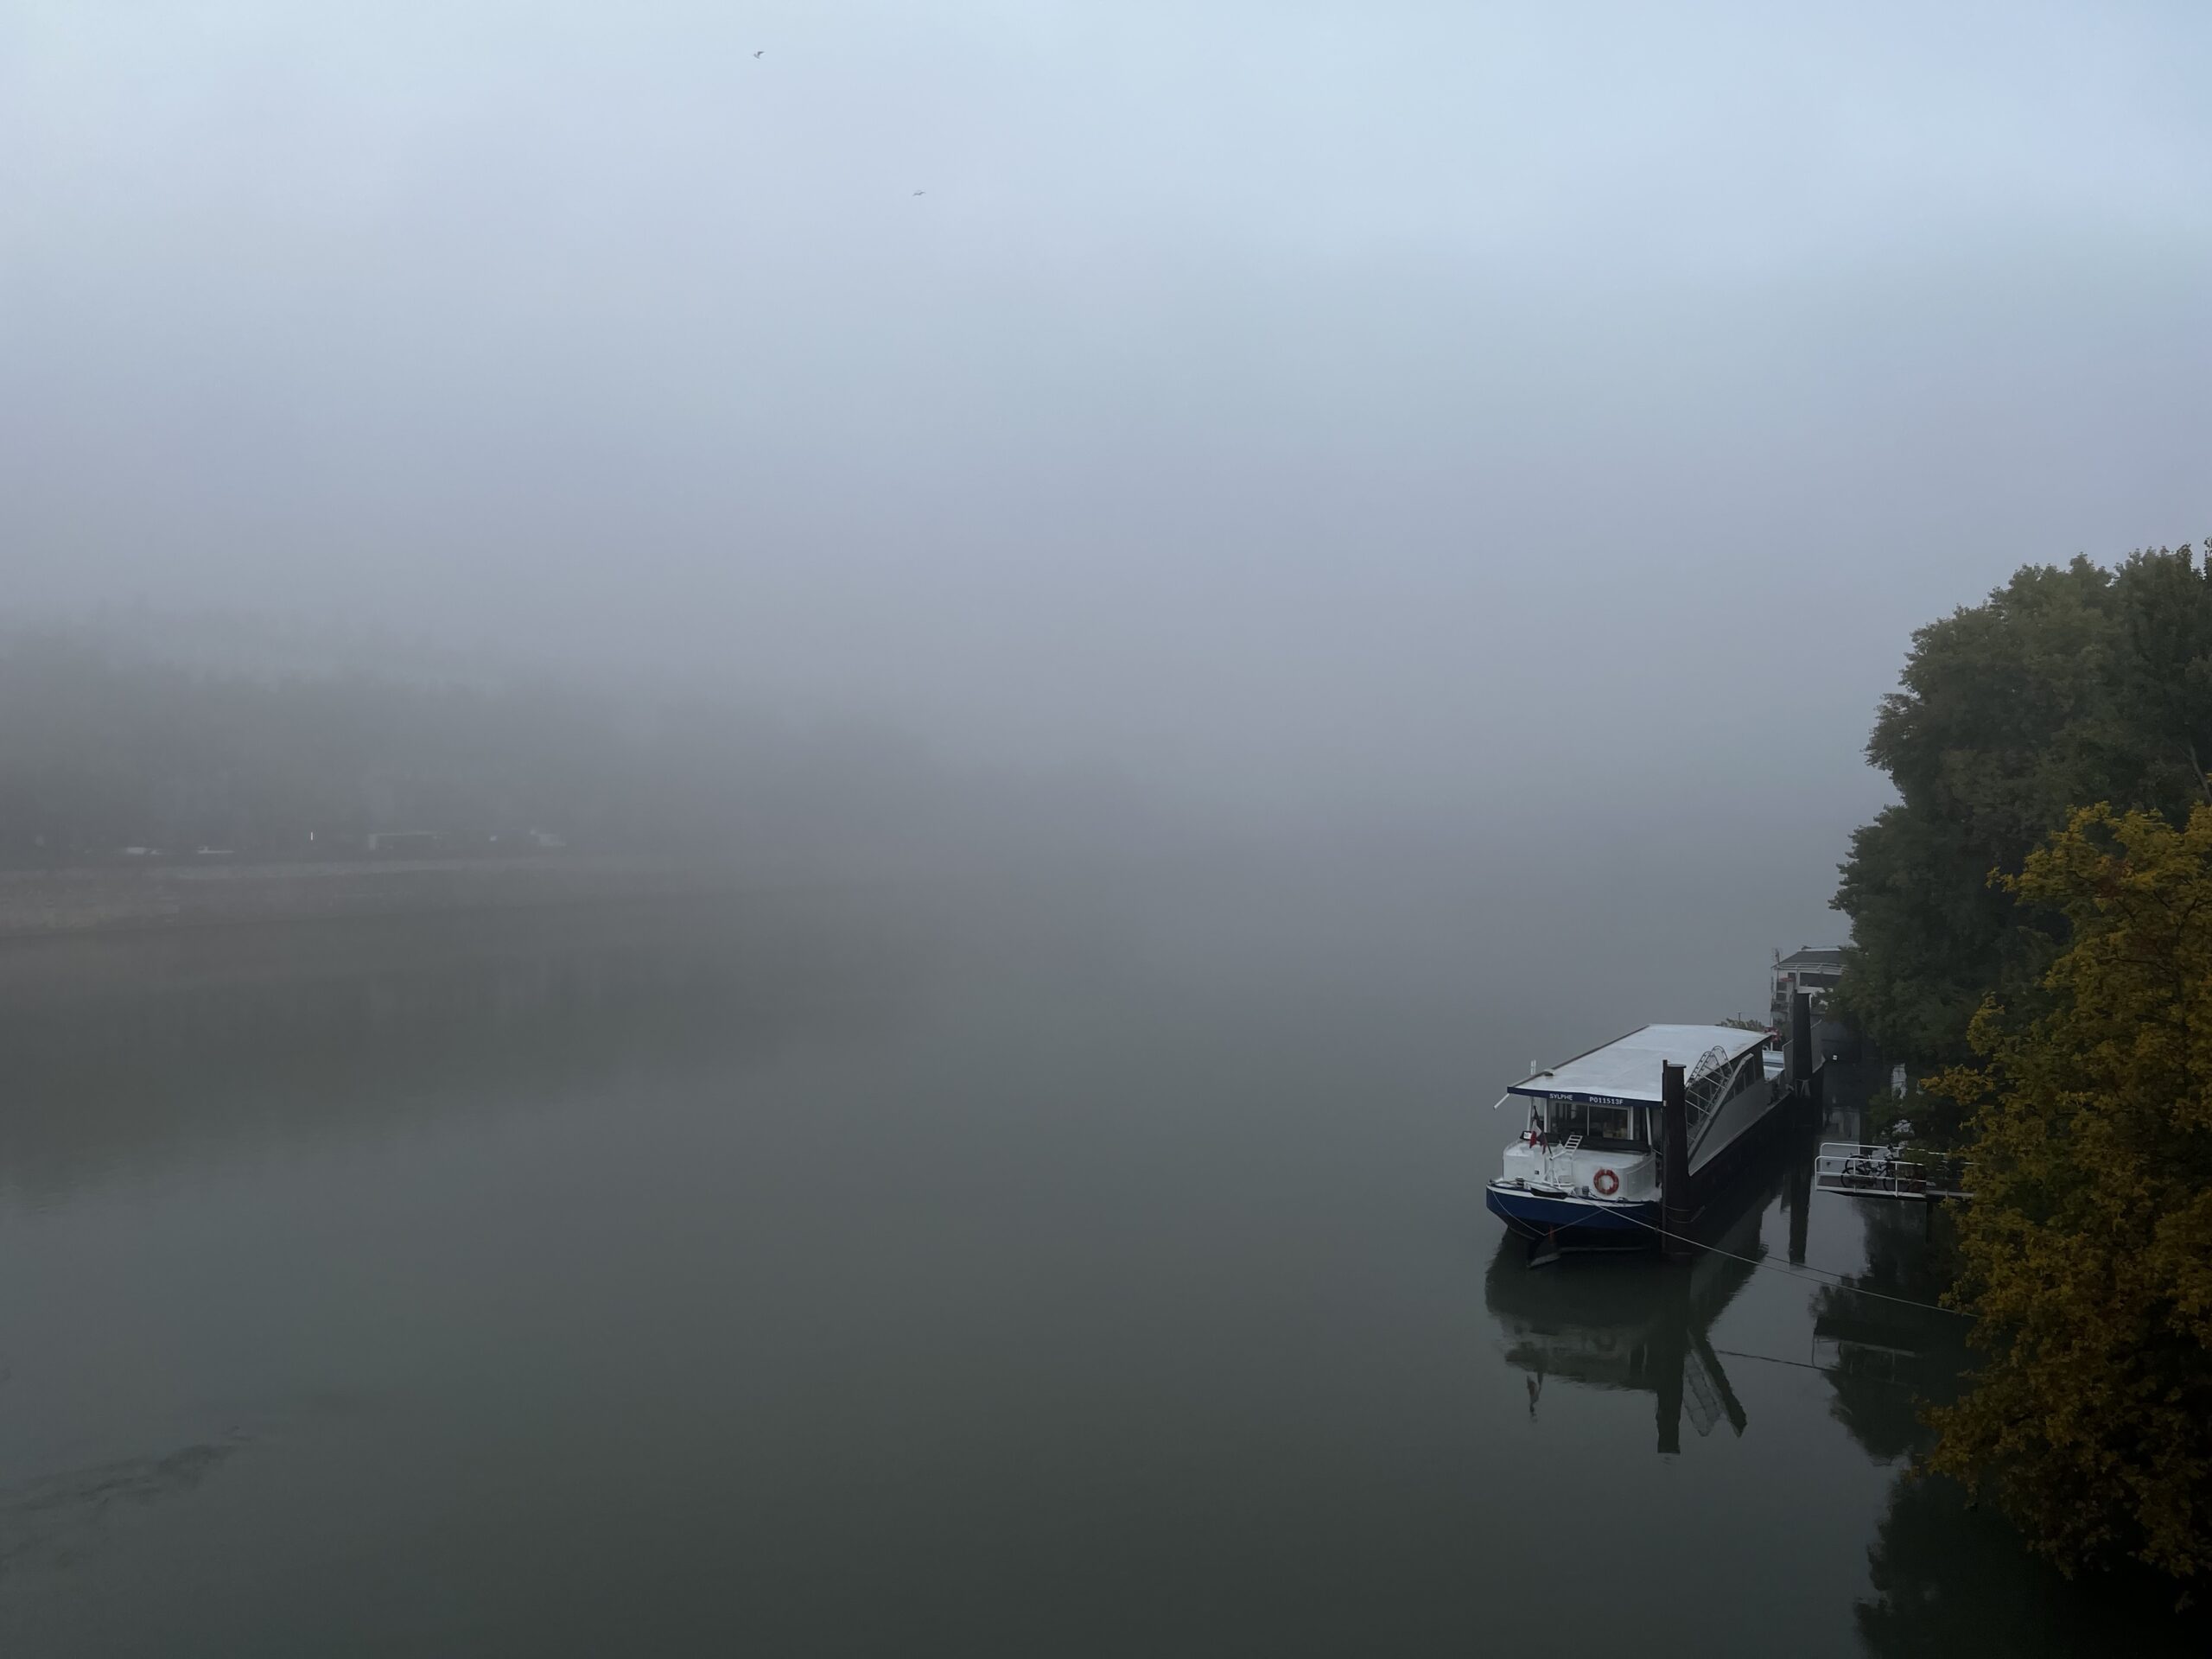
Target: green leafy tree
x,y
2088,1250
2163,678
2067,686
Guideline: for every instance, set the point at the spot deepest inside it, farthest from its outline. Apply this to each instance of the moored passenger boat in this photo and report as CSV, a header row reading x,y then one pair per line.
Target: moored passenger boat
x,y
1587,1169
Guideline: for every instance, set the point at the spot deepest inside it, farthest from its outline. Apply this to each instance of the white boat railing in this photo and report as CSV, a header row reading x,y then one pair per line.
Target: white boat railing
x,y
1871,1172
1713,1082
1703,1090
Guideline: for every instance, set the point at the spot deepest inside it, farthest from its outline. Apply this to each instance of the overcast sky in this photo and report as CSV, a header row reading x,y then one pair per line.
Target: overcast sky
x,y
1302,405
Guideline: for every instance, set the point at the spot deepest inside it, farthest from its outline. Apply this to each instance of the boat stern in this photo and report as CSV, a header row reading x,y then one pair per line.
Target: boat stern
x,y
1574,1195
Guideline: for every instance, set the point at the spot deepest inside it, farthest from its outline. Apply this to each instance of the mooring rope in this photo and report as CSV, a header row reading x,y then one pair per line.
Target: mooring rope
x,y
1811,1275
1833,1281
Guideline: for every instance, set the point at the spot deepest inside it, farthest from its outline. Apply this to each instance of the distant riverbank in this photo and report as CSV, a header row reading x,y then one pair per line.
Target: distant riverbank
x,y
121,900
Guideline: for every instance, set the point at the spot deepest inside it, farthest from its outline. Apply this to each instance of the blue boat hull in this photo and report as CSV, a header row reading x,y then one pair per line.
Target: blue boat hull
x,y
1575,1221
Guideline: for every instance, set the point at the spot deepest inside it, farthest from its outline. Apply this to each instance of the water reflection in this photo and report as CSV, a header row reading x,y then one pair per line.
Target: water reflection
x,y
1890,1354
1951,1578
1640,1324
1946,1576
135,1053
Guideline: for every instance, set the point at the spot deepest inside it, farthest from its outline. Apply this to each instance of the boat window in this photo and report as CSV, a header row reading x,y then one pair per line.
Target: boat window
x,y
1749,1070
1608,1128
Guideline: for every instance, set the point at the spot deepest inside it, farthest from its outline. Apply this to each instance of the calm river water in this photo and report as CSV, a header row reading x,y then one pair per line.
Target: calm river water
x,y
868,1272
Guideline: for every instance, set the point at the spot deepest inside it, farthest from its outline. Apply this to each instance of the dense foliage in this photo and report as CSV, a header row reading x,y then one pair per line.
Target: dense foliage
x,y
2088,1246
2068,686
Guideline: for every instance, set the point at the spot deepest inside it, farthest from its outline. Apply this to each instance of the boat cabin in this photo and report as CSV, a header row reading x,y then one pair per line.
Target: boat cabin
x,y
1623,1128
1593,1124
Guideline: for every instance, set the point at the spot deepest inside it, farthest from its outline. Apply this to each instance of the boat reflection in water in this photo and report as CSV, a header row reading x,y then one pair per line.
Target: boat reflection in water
x,y
1643,1323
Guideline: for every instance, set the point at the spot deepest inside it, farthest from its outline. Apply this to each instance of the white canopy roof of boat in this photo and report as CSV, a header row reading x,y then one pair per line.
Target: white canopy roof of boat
x,y
1628,1067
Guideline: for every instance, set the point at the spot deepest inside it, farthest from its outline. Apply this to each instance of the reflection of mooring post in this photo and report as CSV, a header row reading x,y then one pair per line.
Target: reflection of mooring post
x,y
1801,1201
1675,1159
1670,1344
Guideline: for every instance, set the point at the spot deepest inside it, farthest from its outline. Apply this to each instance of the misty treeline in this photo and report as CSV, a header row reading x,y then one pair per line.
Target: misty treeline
x,y
108,755
2068,686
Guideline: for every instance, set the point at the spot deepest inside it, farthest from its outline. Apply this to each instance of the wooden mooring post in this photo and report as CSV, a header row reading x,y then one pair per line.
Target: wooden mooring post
x,y
1675,1209
1802,1063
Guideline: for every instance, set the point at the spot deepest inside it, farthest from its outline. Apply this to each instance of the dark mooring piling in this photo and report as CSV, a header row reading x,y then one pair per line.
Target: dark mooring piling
x,y
1675,1208
1804,1073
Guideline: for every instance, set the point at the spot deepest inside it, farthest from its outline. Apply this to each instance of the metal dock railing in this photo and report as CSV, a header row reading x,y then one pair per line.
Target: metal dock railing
x,y
1866,1171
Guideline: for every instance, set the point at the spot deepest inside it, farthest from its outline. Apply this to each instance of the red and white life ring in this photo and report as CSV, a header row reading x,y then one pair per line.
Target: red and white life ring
x,y
1605,1183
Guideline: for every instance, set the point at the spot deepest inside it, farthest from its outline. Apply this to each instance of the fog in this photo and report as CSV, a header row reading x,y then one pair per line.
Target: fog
x,y
780,782
1516,439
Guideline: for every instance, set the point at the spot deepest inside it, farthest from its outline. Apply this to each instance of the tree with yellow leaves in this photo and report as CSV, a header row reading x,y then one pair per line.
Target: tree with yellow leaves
x,y
2087,1248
